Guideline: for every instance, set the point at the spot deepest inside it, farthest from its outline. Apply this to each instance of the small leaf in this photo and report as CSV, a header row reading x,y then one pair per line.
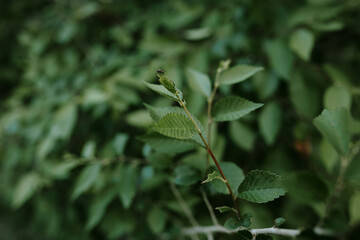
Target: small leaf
x,y
199,82
86,179
167,83
261,186
242,135
281,58
156,220
232,224
337,97
232,108
127,184
333,124
302,43
212,176
263,237
279,221
270,122
186,176
234,175
160,89
175,125
223,209
25,188
238,74
244,235
246,220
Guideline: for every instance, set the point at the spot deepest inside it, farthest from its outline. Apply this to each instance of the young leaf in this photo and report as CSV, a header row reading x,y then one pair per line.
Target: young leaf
x,y
160,89
226,209
199,82
232,224
302,43
238,74
86,179
234,175
244,235
175,125
333,124
167,83
261,186
233,107
279,221
270,122
212,176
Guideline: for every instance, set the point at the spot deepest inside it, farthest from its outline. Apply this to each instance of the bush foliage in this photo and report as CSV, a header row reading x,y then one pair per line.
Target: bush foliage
x,y
88,151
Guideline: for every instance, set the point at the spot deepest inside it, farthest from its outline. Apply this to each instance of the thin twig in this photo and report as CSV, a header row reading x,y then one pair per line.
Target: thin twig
x,y
208,205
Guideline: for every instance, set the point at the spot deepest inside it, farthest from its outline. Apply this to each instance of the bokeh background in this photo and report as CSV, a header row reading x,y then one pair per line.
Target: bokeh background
x,y
71,100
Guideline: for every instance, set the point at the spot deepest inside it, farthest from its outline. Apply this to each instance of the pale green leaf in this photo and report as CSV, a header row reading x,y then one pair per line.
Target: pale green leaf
x,y
86,179
223,209
234,175
337,97
281,58
333,124
232,108
279,221
175,125
261,186
354,208
270,122
238,74
302,43
25,188
199,82
156,220
242,135
212,176
160,89
127,184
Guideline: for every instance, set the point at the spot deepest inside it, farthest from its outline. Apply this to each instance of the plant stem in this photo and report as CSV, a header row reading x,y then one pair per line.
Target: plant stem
x,y
212,155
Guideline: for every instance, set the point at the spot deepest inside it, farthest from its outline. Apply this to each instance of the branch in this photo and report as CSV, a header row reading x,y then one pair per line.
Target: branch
x,y
208,205
272,231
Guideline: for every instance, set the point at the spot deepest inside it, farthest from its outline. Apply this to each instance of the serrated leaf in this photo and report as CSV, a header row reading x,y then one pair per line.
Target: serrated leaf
x,y
160,89
86,179
246,220
167,83
238,74
223,209
302,43
212,176
232,108
199,82
333,124
234,175
270,122
279,221
175,125
261,186
244,235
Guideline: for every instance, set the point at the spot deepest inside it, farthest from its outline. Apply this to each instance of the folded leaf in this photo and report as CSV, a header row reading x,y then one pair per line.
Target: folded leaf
x,y
233,107
160,89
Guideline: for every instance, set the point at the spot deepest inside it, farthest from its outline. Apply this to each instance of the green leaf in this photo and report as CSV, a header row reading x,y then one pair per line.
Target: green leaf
x,y
232,224
270,122
64,121
242,135
186,176
302,43
175,125
279,221
156,220
25,188
246,220
86,179
199,82
238,74
337,97
167,83
281,58
160,89
212,176
232,108
261,186
263,237
234,175
127,184
223,209
354,208
333,124
305,187
244,235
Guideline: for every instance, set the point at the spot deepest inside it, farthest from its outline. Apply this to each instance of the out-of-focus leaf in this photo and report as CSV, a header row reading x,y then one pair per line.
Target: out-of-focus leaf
x,y
263,237
175,125
261,186
197,34
86,179
234,175
25,188
242,135
185,175
119,143
302,43
354,208
238,74
333,124
127,184
223,209
232,108
139,119
199,82
212,176
270,122
280,57
279,221
244,235
337,97
156,220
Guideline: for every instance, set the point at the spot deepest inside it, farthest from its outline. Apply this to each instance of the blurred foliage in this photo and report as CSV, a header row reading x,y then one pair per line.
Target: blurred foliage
x,y
72,163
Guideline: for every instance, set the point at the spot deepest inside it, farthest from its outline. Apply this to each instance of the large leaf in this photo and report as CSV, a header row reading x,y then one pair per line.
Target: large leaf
x,y
232,108
261,186
242,135
281,58
175,125
333,124
238,74
270,122
86,179
302,43
199,82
